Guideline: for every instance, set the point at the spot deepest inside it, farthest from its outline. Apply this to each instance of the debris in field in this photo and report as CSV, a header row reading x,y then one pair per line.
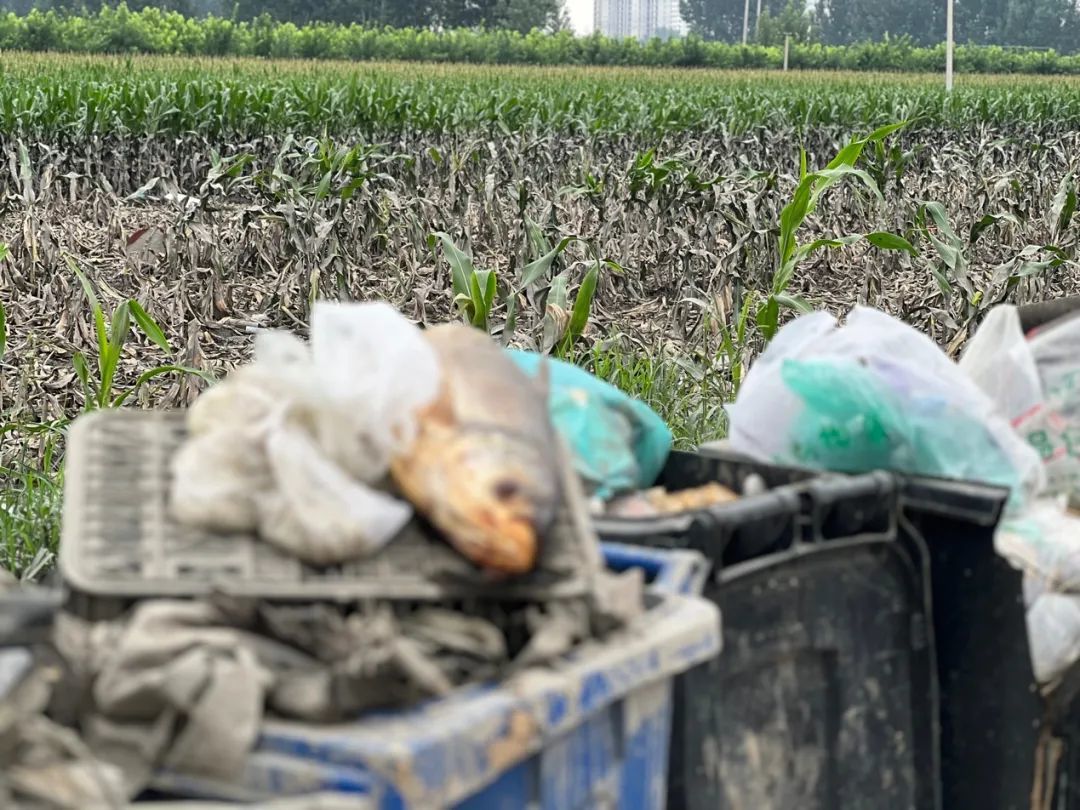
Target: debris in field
x,y
686,500
483,466
44,764
618,442
290,446
182,687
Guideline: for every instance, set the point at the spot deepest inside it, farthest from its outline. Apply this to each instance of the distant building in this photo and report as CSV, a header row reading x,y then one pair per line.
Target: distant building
x,y
641,19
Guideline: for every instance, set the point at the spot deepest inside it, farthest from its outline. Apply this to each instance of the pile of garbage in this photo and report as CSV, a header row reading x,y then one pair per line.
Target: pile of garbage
x,y
438,479
385,514
874,393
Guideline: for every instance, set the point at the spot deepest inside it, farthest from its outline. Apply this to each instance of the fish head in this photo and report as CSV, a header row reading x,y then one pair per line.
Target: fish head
x,y
501,500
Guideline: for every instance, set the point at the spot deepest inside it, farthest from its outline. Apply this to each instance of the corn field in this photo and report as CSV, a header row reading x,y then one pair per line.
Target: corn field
x,y
155,212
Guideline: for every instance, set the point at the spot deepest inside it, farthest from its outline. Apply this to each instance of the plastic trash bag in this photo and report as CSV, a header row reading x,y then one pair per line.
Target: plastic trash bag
x,y
1036,382
288,446
1044,540
875,394
317,513
618,442
1053,621
373,371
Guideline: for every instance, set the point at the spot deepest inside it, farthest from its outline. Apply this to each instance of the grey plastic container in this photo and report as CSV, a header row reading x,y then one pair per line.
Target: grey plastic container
x,y
120,541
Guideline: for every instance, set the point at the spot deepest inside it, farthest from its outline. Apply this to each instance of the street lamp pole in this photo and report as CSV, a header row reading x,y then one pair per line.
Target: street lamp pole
x,y
948,46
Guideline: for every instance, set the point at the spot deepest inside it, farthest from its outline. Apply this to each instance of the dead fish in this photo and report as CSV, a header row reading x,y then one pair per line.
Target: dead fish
x,y
483,466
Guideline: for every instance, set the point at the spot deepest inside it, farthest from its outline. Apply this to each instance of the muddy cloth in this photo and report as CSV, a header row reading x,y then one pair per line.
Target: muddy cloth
x,y
42,763
373,659
183,685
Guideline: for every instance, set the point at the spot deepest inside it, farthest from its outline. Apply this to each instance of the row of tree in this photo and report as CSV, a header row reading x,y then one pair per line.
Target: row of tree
x,y
1034,23
518,15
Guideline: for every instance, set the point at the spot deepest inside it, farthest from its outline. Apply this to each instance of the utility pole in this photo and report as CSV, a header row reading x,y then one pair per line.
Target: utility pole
x,y
745,21
948,46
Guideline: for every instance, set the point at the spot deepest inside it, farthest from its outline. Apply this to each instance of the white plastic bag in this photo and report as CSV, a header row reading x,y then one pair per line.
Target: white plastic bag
x,y
374,371
316,512
876,361
1044,541
1053,622
288,445
999,361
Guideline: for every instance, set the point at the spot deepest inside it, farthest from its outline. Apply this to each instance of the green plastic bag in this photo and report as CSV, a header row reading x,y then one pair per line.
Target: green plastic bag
x,y
854,420
618,442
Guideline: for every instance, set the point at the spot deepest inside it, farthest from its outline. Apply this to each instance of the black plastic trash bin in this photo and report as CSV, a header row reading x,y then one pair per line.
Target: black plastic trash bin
x,y
991,710
824,696
872,568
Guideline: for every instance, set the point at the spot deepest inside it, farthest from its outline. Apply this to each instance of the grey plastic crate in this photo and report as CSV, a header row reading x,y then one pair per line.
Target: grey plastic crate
x,y
119,540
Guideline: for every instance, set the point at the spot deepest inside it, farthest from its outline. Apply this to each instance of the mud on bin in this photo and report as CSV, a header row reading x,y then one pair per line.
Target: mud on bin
x,y
591,733
875,646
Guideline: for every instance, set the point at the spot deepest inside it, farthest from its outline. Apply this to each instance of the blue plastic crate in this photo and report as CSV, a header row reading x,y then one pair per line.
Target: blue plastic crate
x,y
593,732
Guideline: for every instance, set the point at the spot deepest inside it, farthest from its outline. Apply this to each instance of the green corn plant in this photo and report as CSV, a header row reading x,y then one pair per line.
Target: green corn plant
x,y
951,268
112,334
30,501
565,321
1064,205
474,290
3,320
811,187
535,271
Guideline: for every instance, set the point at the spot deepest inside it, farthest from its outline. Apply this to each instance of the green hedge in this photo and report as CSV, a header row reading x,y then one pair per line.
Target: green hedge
x,y
151,30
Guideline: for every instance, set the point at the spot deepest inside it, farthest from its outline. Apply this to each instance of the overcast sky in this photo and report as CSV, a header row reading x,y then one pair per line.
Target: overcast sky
x,y
581,15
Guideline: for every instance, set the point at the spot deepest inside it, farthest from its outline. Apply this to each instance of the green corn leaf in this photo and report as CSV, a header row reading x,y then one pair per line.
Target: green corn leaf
x,y
826,178
1064,204
881,133
941,220
989,221
101,329
891,241
579,319
800,305
768,317
538,269
121,323
148,325
159,371
557,292
82,371
952,257
461,266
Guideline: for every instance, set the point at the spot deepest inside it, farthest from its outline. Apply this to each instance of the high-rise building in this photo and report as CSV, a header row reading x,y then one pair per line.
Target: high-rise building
x,y
642,19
